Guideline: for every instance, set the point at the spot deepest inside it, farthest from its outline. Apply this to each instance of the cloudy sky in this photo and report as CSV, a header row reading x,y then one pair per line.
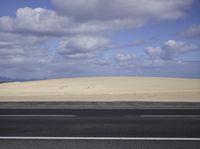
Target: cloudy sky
x,y
77,38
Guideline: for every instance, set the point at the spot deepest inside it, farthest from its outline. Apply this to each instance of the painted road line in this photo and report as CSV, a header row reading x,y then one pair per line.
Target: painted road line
x,y
169,116
100,138
55,115
37,115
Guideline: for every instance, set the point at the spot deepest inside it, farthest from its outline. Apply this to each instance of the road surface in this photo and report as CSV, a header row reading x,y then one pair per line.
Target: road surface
x,y
100,128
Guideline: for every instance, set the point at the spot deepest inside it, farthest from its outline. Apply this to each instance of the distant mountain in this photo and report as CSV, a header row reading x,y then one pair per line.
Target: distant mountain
x,y
6,80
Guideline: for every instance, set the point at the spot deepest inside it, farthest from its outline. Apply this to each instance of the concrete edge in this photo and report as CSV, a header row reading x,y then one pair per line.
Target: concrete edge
x,y
96,105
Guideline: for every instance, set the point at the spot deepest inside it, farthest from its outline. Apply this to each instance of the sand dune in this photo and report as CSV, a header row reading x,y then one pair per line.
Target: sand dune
x,y
104,89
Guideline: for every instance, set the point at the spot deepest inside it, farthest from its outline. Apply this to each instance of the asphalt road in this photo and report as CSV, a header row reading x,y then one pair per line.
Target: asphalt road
x,y
96,144
179,127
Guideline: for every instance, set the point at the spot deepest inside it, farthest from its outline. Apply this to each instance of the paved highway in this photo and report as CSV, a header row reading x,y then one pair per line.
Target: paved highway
x,y
97,144
133,128
177,123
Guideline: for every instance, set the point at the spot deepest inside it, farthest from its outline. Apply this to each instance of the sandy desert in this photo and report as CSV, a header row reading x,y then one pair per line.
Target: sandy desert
x,y
105,89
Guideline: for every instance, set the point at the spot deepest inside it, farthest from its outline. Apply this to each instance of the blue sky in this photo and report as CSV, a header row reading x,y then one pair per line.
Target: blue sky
x,y
63,38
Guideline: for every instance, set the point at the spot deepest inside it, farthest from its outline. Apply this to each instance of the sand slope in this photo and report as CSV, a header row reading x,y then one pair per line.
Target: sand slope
x,y
104,89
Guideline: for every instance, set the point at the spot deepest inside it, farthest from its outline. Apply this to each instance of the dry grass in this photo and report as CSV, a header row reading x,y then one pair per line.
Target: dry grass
x,y
104,89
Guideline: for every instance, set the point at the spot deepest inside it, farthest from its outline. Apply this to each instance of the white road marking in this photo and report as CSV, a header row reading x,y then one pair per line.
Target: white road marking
x,y
37,115
96,108
148,116
100,138
46,115
168,116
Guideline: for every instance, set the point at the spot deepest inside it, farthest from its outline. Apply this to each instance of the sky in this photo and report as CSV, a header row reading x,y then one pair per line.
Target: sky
x,y
46,39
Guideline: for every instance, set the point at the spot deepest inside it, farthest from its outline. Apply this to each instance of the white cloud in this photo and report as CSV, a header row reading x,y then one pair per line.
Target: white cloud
x,y
18,48
76,29
40,20
135,64
153,52
6,23
101,15
92,16
121,57
193,31
120,9
170,49
24,56
79,45
179,46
